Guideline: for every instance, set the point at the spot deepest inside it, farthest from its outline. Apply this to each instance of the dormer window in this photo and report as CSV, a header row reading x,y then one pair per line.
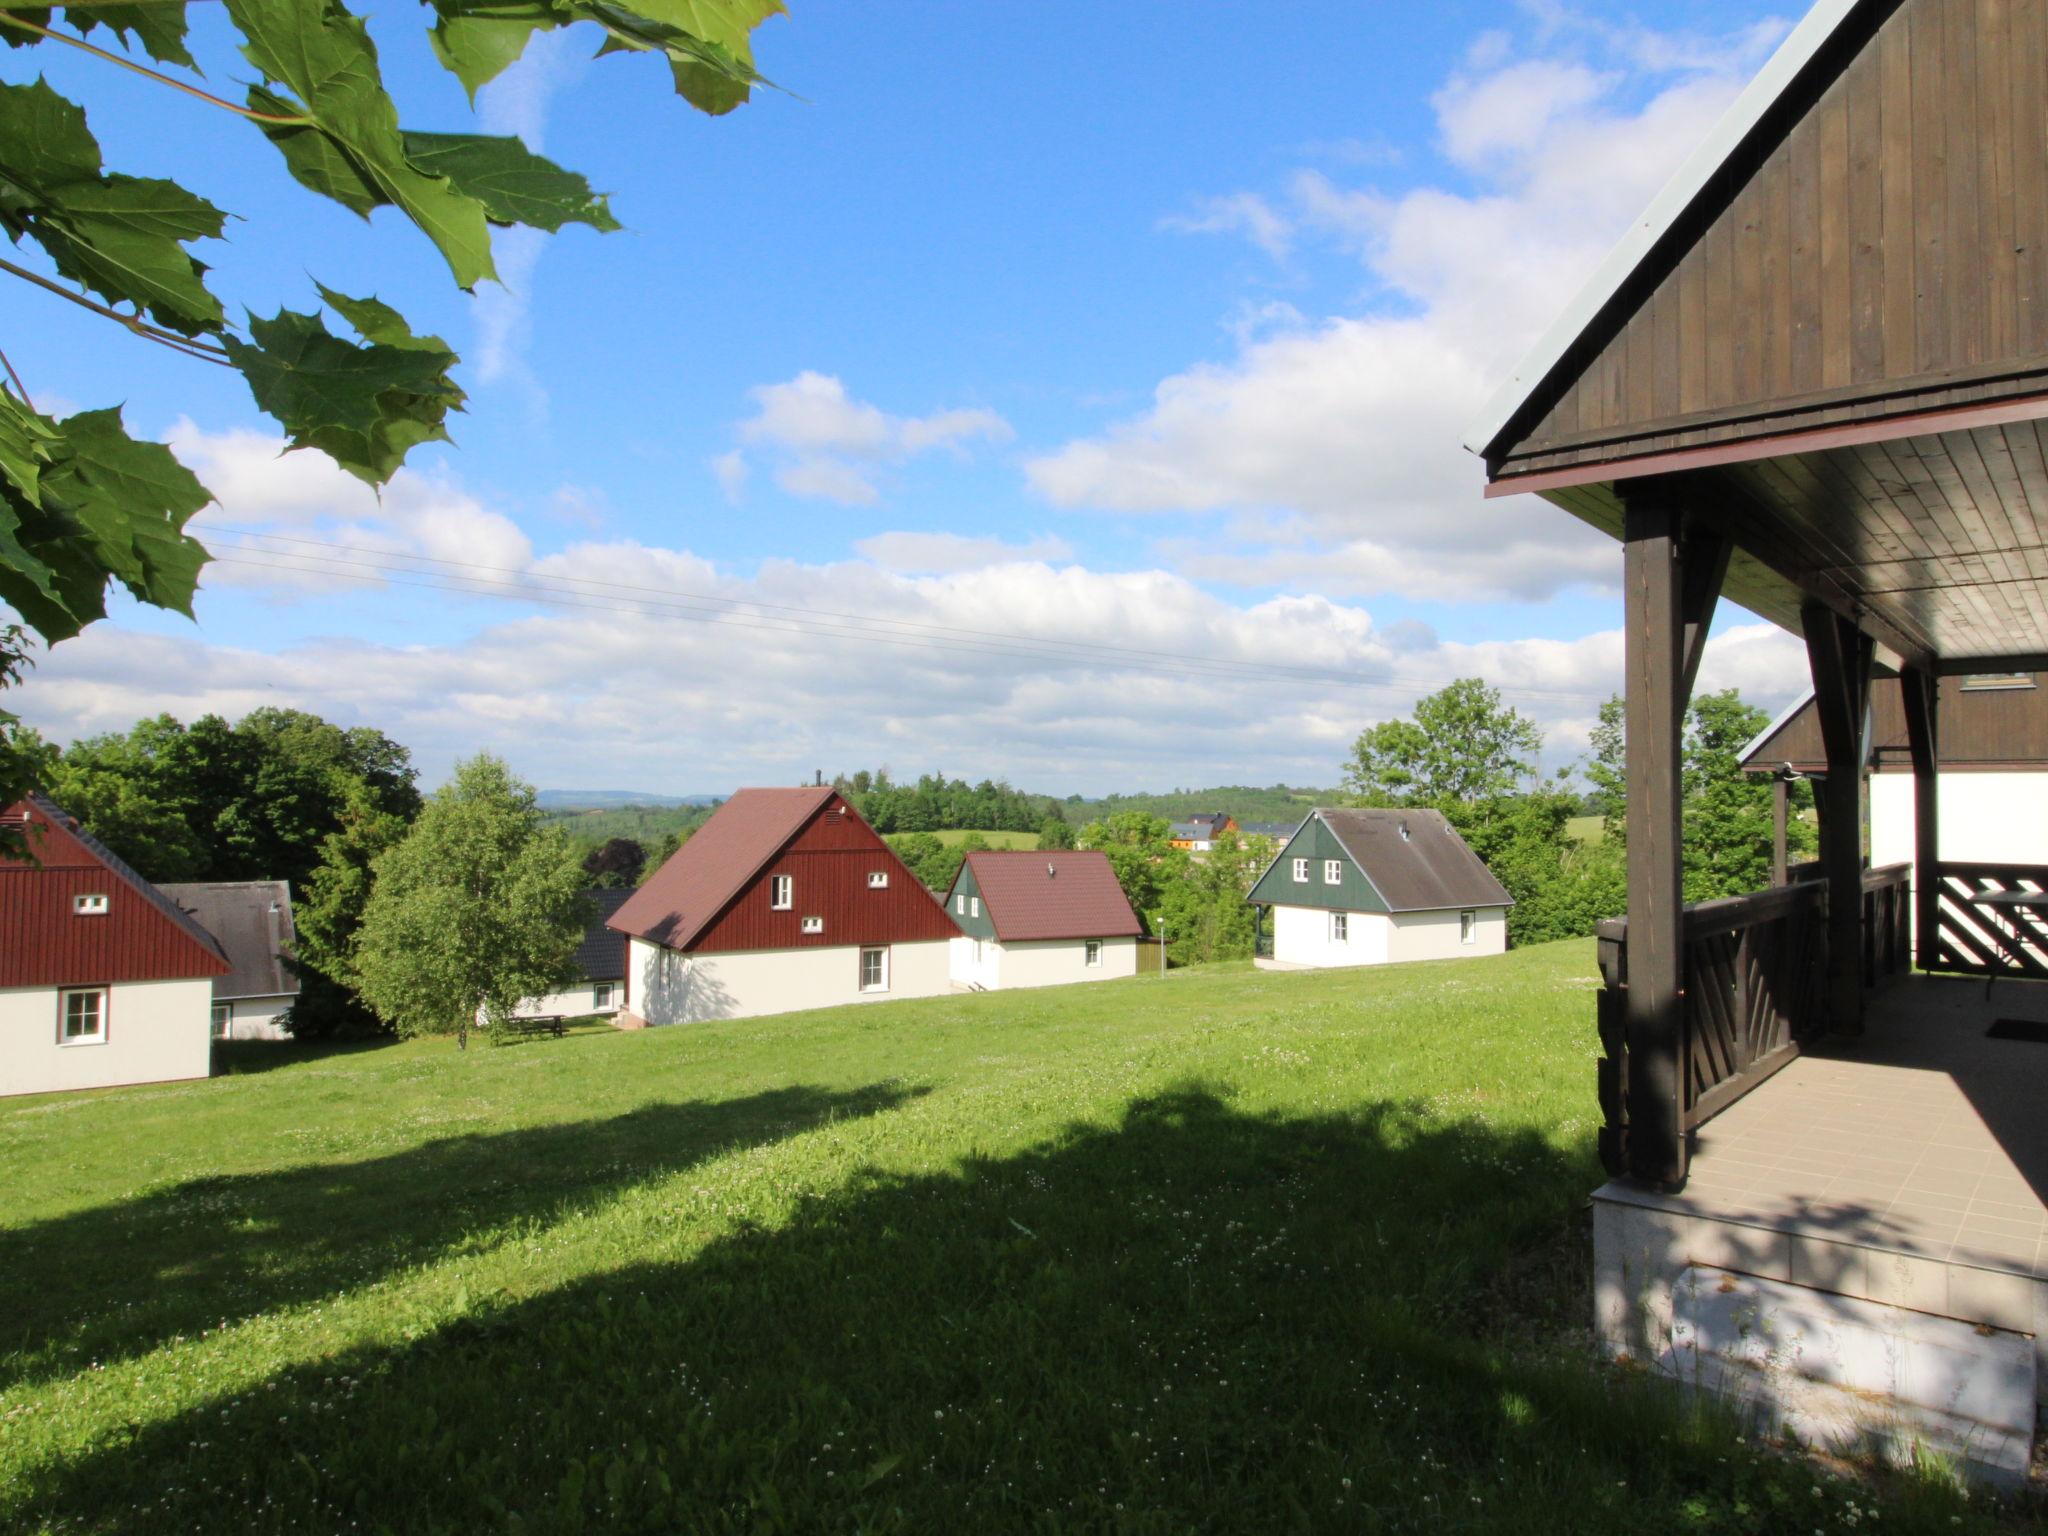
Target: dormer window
x,y
1333,871
878,879
93,905
781,893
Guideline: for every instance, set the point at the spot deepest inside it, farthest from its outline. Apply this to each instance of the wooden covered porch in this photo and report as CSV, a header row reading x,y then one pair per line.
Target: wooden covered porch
x,y
1813,380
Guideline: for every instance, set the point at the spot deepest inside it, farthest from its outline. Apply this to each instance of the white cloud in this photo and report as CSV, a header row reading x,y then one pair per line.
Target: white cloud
x,y
282,520
827,445
921,553
1244,213
697,677
1333,444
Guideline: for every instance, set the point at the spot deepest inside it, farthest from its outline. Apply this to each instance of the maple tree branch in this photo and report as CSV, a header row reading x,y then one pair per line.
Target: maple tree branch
x,y
20,388
203,350
282,120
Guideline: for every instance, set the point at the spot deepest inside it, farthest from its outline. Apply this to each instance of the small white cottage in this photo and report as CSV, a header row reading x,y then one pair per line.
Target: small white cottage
x,y
1040,919
1371,887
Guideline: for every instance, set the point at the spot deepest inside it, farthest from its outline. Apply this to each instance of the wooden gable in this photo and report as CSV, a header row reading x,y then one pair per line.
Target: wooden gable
x,y
1315,842
1875,248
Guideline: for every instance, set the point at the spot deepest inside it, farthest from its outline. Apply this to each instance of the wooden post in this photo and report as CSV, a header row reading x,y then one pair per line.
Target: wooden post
x,y
1666,620
1841,657
1781,795
1923,738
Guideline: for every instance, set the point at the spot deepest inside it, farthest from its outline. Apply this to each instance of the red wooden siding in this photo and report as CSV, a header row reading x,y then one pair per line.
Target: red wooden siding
x,y
44,943
829,861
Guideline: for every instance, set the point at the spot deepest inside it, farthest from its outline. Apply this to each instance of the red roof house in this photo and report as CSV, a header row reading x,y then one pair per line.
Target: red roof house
x,y
1037,919
103,979
785,899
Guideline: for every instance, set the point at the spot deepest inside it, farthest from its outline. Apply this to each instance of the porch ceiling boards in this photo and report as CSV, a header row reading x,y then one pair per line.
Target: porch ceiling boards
x,y
1937,544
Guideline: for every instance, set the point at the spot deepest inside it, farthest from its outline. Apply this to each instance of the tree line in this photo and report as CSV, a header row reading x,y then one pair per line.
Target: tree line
x,y
938,804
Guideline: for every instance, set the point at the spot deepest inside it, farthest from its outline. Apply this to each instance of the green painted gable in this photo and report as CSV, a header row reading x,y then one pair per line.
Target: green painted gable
x,y
1316,842
980,926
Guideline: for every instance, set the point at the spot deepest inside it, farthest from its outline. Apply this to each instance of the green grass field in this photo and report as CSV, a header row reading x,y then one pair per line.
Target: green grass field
x,y
1586,829
1217,1251
993,839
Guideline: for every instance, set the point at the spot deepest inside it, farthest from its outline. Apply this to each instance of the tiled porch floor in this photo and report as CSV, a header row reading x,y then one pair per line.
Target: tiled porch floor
x,y
1923,1137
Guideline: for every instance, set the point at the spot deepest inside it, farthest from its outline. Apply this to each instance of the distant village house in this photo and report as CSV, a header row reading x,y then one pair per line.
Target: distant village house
x,y
1040,919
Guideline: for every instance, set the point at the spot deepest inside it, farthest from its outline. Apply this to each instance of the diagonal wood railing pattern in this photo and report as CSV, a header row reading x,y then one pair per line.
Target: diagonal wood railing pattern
x,y
1983,936
1755,991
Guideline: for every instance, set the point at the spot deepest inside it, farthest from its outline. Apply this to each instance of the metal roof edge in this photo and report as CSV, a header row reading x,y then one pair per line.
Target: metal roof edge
x,y
1801,46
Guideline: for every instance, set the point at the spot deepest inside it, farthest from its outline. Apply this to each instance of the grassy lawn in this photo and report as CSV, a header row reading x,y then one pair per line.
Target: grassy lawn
x,y
1214,1251
1586,829
954,839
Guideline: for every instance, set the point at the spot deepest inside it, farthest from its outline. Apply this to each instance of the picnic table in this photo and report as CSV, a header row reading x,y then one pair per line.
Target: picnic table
x,y
2034,903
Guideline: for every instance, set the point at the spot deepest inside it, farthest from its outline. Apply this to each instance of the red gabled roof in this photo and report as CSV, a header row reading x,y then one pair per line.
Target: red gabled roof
x,y
681,898
1068,893
142,936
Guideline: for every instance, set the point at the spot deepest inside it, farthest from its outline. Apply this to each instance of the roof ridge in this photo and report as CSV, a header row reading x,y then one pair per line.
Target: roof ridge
x,y
820,795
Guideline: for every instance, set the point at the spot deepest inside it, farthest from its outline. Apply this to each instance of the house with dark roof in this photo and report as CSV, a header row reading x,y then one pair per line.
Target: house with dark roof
x,y
1198,834
1278,831
104,980
600,985
252,920
1370,887
785,899
1040,919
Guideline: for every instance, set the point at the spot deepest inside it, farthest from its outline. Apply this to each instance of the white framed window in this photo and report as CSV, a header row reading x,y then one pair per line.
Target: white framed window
x,y
601,995
960,903
974,906
814,925
223,1019
781,893
1301,871
1333,871
878,879
874,970
1340,927
89,905
1993,682
1468,927
1092,955
82,1016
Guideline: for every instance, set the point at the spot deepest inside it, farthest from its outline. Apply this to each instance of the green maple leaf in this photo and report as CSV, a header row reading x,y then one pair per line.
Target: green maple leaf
x,y
365,405
515,185
322,54
159,25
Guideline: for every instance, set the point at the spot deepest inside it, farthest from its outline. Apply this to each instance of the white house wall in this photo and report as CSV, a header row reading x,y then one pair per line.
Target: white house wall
x,y
1990,818
1040,962
157,1032
667,987
258,1018
1438,935
1301,936
574,1003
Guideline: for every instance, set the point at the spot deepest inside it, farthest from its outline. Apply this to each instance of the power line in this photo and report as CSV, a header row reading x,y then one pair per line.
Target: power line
x,y
594,594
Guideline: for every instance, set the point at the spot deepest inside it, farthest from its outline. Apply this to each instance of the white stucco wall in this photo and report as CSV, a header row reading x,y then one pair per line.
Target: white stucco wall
x,y
1436,935
157,1032
1301,936
1994,818
1040,963
576,1002
672,988
257,1018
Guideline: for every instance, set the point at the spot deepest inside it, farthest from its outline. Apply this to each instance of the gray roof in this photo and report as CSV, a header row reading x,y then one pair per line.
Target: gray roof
x,y
124,871
1425,870
252,919
1280,831
602,954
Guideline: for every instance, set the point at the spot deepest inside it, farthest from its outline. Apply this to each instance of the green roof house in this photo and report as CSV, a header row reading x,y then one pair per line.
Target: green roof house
x,y
1372,887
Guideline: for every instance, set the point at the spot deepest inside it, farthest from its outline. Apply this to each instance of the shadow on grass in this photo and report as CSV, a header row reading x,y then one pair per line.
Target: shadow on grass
x,y
243,1058
118,1280
1194,1320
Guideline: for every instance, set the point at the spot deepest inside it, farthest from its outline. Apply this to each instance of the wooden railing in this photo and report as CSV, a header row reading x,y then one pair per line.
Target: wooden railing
x,y
1990,938
1755,991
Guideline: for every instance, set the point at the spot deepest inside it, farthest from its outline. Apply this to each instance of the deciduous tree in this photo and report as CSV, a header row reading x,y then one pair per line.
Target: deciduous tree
x,y
1463,744
478,909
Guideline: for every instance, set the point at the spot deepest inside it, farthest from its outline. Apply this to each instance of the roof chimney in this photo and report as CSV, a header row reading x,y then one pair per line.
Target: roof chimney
x,y
818,782
1406,835
1051,870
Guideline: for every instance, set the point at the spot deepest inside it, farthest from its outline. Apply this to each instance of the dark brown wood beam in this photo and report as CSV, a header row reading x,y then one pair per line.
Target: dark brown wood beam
x,y
1654,602
1976,666
1841,657
1781,794
1703,567
1923,740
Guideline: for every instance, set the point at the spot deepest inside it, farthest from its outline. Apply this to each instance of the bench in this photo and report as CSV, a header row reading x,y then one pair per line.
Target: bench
x,y
540,1024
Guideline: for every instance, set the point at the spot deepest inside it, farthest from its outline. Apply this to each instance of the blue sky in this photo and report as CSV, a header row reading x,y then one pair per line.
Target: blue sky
x,y
1114,357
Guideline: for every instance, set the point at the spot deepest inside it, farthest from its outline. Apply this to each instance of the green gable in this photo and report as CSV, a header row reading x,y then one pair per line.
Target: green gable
x,y
1316,843
976,924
